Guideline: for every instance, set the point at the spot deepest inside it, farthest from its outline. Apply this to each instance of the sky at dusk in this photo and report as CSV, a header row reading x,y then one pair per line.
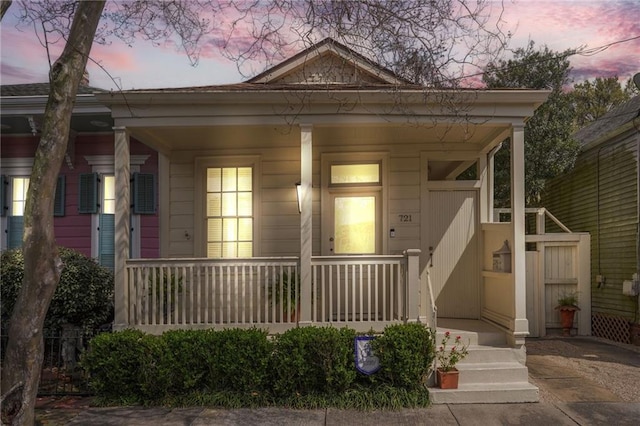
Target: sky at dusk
x,y
600,27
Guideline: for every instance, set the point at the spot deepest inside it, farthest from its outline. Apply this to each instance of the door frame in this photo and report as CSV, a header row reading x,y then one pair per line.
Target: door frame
x,y
328,193
426,187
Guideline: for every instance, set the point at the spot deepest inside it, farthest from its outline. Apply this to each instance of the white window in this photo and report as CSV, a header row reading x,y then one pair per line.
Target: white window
x,y
229,212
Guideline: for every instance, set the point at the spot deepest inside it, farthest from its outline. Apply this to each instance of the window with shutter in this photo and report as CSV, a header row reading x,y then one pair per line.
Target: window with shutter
x,y
88,193
58,206
144,193
4,207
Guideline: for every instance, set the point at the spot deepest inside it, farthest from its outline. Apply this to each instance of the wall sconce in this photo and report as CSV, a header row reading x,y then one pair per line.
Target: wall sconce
x,y
299,196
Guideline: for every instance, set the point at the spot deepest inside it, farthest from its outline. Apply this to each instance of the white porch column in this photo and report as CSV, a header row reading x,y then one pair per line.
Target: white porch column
x,y
518,267
306,215
123,227
412,295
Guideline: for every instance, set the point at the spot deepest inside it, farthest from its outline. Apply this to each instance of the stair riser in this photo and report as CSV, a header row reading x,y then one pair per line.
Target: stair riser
x,y
477,356
506,375
473,339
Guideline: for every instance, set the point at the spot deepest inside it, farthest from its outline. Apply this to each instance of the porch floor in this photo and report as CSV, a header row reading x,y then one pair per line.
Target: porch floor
x,y
477,332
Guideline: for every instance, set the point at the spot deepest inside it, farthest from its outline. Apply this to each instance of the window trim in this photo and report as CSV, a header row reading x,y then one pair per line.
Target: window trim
x,y
199,211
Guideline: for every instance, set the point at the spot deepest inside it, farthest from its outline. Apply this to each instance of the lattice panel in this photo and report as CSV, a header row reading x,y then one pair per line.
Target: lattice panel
x,y
610,327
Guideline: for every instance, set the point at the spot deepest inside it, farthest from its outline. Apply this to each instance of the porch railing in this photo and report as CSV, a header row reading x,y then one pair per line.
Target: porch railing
x,y
369,290
214,293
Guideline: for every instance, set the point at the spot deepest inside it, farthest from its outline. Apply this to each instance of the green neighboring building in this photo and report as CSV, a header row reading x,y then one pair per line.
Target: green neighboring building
x,y
600,196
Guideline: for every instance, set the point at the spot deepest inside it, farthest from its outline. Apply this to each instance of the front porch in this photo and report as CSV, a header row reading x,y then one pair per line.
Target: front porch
x,y
362,292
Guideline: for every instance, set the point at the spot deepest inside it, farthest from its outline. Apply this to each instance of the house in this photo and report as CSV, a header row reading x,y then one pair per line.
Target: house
x,y
324,191
600,196
82,221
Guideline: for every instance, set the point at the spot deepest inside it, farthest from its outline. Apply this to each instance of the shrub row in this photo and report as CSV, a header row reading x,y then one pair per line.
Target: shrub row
x,y
303,367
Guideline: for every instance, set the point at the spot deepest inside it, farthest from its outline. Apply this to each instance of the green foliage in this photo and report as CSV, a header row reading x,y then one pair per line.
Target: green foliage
x,y
84,296
550,149
449,357
114,363
313,359
406,354
568,299
242,360
306,367
594,99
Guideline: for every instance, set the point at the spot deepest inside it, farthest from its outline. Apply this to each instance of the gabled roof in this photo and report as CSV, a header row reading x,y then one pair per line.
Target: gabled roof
x,y
609,123
38,89
328,62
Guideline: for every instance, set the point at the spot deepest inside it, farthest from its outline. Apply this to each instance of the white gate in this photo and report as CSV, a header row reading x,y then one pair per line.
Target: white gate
x,y
560,265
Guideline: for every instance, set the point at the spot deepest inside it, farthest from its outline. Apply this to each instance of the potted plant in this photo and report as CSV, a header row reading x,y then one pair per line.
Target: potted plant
x,y
285,292
567,305
447,359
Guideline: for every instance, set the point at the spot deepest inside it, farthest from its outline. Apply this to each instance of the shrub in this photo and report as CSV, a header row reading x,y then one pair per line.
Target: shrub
x,y
241,362
84,296
406,354
229,360
313,359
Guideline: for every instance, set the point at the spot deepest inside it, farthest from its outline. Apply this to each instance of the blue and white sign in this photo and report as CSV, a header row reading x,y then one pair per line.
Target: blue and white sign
x,y
366,361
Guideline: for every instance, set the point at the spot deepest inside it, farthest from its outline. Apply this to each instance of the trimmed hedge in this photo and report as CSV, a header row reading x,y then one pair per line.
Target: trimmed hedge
x,y
305,367
84,296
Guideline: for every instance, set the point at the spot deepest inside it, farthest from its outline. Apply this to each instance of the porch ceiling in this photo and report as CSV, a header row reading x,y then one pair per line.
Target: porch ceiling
x,y
438,137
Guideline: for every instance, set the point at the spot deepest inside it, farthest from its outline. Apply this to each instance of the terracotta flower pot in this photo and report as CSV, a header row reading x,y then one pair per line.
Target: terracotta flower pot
x,y
566,318
448,379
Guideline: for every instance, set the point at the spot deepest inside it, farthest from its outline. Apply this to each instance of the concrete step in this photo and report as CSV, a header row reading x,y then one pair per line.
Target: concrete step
x,y
485,393
472,338
494,372
485,354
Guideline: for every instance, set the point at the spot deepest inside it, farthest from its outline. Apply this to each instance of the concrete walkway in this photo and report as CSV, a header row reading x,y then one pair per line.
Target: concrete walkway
x,y
576,400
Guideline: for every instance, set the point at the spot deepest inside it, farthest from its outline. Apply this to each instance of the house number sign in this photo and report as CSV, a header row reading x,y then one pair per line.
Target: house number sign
x,y
404,218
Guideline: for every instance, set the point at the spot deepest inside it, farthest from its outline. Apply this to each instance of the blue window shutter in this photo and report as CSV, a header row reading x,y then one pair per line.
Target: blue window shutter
x,y
58,206
144,193
4,207
106,240
88,193
15,225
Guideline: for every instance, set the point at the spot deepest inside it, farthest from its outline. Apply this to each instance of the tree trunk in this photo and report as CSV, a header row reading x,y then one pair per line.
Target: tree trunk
x,y
42,264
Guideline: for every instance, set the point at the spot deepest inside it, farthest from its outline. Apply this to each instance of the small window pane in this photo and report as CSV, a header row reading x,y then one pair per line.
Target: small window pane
x,y
355,173
214,203
214,250
229,204
230,229
229,179
244,179
230,249
245,229
244,204
109,195
19,196
245,249
214,229
214,180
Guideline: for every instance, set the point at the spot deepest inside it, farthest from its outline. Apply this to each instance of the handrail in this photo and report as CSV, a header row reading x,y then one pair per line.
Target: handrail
x,y
434,308
537,210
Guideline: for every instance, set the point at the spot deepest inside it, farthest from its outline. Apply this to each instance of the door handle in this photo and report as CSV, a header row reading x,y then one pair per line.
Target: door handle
x,y
430,256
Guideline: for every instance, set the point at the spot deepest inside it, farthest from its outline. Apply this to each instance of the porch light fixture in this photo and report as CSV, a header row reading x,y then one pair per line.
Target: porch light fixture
x,y
299,196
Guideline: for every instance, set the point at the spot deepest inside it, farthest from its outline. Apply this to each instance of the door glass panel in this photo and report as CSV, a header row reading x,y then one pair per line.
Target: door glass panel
x,y
355,225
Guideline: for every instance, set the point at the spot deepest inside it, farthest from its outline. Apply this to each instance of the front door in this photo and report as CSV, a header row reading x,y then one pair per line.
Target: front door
x,y
452,221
